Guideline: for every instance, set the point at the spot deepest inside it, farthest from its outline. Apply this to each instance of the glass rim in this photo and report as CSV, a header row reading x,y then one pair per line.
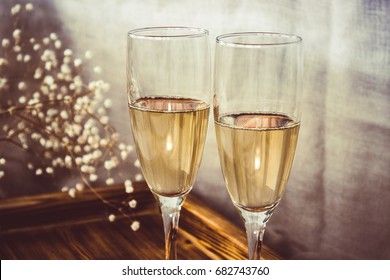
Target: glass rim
x,y
290,39
148,32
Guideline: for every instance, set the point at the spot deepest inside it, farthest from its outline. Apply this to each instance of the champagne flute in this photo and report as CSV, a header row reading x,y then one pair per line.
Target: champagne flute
x,y
169,84
257,119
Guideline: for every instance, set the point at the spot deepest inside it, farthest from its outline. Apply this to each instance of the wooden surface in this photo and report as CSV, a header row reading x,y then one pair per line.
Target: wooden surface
x,y
56,226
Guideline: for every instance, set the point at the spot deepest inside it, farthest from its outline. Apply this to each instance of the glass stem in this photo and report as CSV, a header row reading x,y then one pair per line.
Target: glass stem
x,y
254,233
170,211
255,223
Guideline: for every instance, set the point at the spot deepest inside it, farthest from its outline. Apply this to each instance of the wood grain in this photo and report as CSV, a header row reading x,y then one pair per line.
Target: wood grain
x,y
56,226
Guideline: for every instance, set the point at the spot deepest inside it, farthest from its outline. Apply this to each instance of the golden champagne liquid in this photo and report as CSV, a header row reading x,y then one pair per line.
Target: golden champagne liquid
x,y
256,152
169,136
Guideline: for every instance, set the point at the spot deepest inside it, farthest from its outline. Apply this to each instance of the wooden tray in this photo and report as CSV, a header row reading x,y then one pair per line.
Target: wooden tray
x,y
56,226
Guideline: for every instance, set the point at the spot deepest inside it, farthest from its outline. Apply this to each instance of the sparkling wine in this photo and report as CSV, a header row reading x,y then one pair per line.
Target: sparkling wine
x,y
169,136
256,152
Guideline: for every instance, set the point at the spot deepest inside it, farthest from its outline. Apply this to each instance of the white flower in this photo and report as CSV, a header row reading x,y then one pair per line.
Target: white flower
x,y
137,163
88,54
21,126
42,141
72,192
68,52
49,144
3,61
107,103
29,7
84,168
135,225
94,130
129,186
36,47
97,154
105,86
103,142
78,119
3,82
66,59
87,158
78,81
92,85
65,69
124,155
38,73
129,148
22,99
53,36
77,149
104,120
79,187
138,177
5,43
79,161
57,44
115,136
49,80
97,69
1,174
91,170
46,41
19,57
110,181
68,159
48,55
16,34
133,203
22,86
27,58
35,136
81,140
67,99
76,128
49,170
38,172
65,189
100,110
51,112
2,161
93,177
22,136
17,48
77,62
30,166
108,164
64,115
48,65
15,9
111,217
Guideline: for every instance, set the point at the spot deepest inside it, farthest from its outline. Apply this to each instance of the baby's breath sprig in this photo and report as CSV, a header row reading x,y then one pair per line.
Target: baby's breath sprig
x,y
57,116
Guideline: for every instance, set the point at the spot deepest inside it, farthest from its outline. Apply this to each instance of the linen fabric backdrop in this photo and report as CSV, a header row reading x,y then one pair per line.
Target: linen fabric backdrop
x,y
337,203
